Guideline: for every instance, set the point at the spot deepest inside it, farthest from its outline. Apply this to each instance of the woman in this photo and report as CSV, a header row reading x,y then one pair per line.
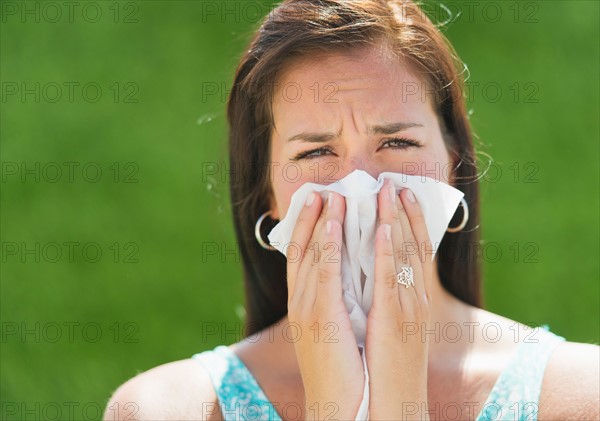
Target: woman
x,y
328,87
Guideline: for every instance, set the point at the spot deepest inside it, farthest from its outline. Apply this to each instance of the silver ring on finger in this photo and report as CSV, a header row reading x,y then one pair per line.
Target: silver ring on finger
x,y
405,276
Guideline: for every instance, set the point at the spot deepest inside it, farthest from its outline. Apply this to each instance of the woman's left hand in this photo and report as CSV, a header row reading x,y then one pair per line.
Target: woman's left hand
x,y
396,344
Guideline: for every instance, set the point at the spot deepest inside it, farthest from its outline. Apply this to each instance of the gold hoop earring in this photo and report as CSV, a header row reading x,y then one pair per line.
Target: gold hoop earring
x,y
257,234
462,224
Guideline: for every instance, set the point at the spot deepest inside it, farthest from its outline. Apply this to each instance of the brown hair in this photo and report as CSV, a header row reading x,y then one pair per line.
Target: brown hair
x,y
294,29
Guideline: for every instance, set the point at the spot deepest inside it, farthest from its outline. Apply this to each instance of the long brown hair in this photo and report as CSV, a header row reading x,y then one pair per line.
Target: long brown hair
x,y
294,29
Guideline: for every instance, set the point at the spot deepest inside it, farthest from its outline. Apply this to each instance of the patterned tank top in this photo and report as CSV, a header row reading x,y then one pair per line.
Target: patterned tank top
x,y
514,396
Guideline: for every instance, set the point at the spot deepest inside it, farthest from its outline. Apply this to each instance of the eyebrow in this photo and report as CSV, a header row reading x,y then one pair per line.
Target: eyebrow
x,y
390,128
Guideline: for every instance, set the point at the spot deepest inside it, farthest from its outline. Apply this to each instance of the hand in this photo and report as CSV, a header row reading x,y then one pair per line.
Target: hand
x,y
327,352
396,352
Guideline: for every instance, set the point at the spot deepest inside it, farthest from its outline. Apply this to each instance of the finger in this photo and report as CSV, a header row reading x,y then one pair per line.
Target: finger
x,y
334,208
301,235
385,286
421,235
308,293
329,276
390,213
411,248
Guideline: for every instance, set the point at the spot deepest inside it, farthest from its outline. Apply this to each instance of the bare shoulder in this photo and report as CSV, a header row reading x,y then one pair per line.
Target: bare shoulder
x,y
571,384
180,390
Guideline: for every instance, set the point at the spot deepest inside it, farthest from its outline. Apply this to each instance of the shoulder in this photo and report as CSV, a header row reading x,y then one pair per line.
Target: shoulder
x,y
180,390
571,384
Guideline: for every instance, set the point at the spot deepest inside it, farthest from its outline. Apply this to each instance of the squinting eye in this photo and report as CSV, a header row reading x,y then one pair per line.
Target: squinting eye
x,y
401,143
405,142
309,154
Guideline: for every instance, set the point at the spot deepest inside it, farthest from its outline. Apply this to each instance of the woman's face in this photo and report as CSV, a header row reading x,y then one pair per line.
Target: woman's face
x,y
337,113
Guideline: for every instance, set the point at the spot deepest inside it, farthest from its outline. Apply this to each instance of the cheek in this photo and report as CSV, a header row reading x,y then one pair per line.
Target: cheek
x,y
436,167
434,162
287,178
443,164
285,183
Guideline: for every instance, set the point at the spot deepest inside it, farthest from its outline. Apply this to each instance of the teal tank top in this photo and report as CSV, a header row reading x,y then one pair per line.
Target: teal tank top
x,y
514,396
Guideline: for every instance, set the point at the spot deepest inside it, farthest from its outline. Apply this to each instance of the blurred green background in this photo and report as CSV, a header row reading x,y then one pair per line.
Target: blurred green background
x,y
110,217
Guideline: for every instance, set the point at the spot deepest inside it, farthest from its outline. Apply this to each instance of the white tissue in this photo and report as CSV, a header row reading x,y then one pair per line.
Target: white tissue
x,y
438,202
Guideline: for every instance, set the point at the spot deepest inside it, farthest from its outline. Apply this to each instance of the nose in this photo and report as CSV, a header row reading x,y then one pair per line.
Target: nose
x,y
359,163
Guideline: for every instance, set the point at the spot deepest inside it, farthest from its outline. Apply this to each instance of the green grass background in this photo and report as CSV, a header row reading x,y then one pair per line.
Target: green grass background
x,y
174,210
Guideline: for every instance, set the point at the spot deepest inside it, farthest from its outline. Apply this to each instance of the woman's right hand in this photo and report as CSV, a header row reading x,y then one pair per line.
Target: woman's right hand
x,y
326,350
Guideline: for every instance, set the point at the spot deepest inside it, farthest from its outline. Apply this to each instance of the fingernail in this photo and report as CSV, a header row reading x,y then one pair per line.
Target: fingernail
x,y
310,198
387,229
392,192
328,227
329,200
411,196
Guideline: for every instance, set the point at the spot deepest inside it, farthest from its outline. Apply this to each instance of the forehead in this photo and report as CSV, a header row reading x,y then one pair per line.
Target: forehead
x,y
318,87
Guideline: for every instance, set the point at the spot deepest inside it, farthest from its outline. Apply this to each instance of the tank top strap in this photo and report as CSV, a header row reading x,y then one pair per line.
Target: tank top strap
x,y
240,397
515,395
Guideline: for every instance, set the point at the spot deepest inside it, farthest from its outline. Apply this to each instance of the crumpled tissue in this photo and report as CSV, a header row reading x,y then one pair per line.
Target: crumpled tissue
x,y
438,202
